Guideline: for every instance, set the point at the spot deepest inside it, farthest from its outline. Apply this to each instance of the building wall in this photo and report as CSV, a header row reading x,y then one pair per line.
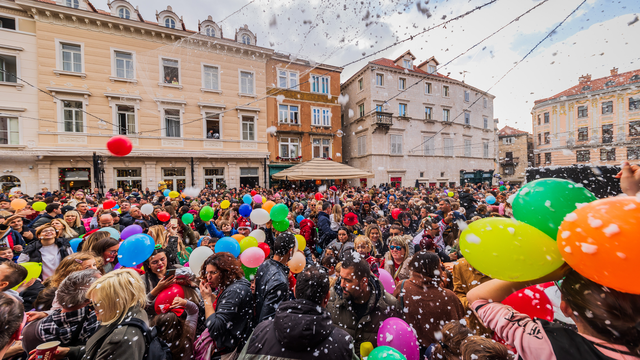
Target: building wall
x,y
520,155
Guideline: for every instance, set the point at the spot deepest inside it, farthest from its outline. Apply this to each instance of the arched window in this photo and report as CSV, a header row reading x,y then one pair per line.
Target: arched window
x,y
73,3
246,40
124,13
210,31
635,77
170,23
8,182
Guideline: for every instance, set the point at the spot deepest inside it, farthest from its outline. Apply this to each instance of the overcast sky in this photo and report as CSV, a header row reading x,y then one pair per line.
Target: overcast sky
x,y
601,35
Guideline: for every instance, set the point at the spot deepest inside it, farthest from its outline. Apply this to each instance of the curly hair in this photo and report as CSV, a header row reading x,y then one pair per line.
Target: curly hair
x,y
229,267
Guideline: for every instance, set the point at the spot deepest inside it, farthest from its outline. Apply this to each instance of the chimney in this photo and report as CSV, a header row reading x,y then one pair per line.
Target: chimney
x,y
614,71
584,78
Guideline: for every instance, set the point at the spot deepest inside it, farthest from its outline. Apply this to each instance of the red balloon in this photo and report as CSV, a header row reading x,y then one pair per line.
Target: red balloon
x,y
531,301
395,213
119,145
165,299
253,193
109,204
164,216
319,196
265,248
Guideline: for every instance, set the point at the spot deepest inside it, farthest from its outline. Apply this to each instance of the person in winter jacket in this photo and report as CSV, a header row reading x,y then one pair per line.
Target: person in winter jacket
x,y
48,250
9,237
314,333
52,211
227,229
326,235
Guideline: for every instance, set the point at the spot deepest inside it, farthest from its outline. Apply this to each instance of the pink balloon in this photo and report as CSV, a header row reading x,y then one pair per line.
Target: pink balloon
x,y
252,257
397,334
257,198
387,281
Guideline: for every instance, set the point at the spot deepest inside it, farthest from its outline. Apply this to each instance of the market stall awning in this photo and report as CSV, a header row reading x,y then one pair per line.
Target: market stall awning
x,y
321,169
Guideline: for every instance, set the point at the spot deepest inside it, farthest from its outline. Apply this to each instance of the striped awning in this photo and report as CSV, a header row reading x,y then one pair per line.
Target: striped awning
x,y
321,169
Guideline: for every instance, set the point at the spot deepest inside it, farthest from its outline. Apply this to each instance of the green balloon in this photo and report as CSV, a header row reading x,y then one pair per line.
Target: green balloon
x,y
281,225
279,212
187,218
248,242
249,273
386,353
206,213
544,203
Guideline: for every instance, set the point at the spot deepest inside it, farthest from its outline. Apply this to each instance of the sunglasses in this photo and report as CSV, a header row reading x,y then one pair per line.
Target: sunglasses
x,y
395,247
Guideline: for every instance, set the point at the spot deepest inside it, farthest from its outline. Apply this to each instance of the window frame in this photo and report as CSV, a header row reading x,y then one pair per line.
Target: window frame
x,y
609,128
634,104
633,150
128,12
130,179
59,56
203,67
380,76
289,145
253,77
9,129
547,119
583,135
485,149
547,137
402,83
395,140
401,107
205,118
81,111
508,140
428,88
208,29
547,158
288,79
117,118
114,64
583,111
169,18
428,148
467,118
18,70
8,17
321,147
361,84
606,153
446,118
467,148
253,131
72,4
446,91
467,96
213,177
289,112
608,105
428,113
636,133
580,155
162,72
485,122
362,145
448,150
321,114
164,122
361,110
320,82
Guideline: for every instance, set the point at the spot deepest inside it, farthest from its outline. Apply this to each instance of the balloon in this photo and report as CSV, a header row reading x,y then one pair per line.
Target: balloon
x,y
249,273
113,232
174,194
265,248
253,193
264,199
531,301
245,210
501,182
187,218
39,206
302,242
224,204
385,353
206,213
247,243
119,145
247,199
252,257
544,203
146,209
396,333
299,219
281,225
257,198
509,250
130,231
450,194
238,237
600,241
260,216
109,204
197,258
18,204
34,270
387,281
268,205
163,216
116,207
258,234
319,196
166,192
490,199
279,212
227,244
74,244
502,188
163,301
365,349
135,250
395,213
297,262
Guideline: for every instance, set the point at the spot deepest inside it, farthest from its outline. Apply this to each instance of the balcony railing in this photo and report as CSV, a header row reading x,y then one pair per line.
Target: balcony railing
x,y
510,161
383,118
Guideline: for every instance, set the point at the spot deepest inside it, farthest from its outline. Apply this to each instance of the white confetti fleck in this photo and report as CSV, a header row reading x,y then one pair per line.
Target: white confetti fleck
x,y
630,207
511,230
621,255
588,248
594,223
571,217
473,238
567,249
280,98
565,234
611,230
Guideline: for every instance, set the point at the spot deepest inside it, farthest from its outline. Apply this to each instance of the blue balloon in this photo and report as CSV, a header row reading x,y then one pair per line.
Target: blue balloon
x,y
247,199
490,200
299,218
74,244
166,192
116,207
114,233
245,210
228,244
135,250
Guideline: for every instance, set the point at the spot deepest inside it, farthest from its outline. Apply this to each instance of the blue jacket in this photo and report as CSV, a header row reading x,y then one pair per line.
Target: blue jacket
x,y
324,227
211,228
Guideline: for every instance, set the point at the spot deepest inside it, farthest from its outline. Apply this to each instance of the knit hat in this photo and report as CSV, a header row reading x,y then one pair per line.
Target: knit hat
x,y
350,219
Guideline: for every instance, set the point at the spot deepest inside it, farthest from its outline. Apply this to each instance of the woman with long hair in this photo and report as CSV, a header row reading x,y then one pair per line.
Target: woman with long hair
x,y
374,234
396,260
49,249
89,240
336,217
107,250
74,220
64,230
70,264
177,332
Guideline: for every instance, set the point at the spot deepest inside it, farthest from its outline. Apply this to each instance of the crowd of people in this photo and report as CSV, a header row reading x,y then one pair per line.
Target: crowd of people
x,y
371,254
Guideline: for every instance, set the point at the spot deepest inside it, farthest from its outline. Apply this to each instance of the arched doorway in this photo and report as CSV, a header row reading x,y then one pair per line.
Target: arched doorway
x,y
9,181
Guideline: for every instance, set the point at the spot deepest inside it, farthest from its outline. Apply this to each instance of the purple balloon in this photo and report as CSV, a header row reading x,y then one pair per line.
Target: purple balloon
x,y
118,266
130,230
397,334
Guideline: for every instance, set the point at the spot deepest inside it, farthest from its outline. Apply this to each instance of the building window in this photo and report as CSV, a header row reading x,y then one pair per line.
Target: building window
x,y
360,84
315,116
445,91
378,107
583,133
248,128
607,107
583,111
170,23
124,64
210,31
72,115
9,131
431,69
73,3
175,179
396,144
467,147
212,124
427,88
634,128
210,77
249,177
508,140
607,154
8,68
289,147
445,114
171,71
246,39
362,145
126,120
379,80
485,122
539,159
484,100
633,153
546,118
214,177
547,138
539,120
124,13
7,23
321,148
287,79
402,110
539,139
319,84
246,83
361,110
288,114
467,118
172,122
428,145
485,149
607,133
407,64
634,104
547,158
129,179
402,83
509,170
71,57
583,156
448,147
326,117
428,113
466,96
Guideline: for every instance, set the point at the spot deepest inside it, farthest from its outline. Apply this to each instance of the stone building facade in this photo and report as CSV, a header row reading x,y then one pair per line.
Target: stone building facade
x,y
515,154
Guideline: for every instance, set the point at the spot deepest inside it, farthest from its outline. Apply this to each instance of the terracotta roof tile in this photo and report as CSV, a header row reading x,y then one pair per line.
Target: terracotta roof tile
x,y
48,1
508,130
390,63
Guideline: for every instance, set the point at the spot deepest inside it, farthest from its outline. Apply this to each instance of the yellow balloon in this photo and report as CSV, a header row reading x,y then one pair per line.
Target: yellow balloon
x,y
365,349
38,206
302,242
264,199
34,270
174,194
225,204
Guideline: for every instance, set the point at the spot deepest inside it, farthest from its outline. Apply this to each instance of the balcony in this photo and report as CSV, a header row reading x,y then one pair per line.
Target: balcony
x,y
510,161
382,120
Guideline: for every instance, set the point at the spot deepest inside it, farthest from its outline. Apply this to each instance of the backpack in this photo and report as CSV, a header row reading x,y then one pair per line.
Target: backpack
x,y
204,346
156,348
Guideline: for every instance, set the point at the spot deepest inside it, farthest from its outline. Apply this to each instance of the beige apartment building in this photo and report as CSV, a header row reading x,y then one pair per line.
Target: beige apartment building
x,y
405,122
515,154
594,122
191,101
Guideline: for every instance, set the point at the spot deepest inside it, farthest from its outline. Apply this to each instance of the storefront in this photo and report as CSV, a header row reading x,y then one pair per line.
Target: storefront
x,y
74,178
175,179
249,177
8,182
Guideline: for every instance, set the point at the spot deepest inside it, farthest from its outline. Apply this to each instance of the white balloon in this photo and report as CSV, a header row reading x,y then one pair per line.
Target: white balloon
x,y
260,216
258,234
146,209
197,258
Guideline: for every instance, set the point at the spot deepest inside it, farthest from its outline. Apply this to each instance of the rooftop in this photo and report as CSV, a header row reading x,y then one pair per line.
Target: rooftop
x,y
509,131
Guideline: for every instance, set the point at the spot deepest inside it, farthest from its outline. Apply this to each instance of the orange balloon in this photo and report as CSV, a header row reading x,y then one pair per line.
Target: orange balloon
x,y
268,205
238,237
600,241
18,204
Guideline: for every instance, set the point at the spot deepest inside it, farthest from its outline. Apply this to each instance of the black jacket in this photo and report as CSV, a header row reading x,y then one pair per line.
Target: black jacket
x,y
126,220
230,325
468,202
324,228
42,219
272,288
33,249
301,329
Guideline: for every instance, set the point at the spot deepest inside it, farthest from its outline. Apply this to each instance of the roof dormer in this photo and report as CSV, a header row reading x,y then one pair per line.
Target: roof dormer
x,y
245,36
169,19
123,9
209,28
430,65
74,4
405,60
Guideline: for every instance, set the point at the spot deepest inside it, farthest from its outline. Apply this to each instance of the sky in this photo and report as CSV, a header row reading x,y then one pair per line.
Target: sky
x,y
597,37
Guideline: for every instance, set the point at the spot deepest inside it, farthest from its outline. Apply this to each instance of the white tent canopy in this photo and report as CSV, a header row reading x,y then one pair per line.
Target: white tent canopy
x,y
321,169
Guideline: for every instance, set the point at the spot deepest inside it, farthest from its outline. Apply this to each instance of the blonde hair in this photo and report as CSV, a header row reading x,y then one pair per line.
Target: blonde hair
x,y
402,240
115,293
361,239
337,213
157,232
68,265
78,221
67,232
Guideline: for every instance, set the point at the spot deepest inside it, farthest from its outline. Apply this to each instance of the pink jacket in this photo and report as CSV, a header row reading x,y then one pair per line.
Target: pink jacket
x,y
527,335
